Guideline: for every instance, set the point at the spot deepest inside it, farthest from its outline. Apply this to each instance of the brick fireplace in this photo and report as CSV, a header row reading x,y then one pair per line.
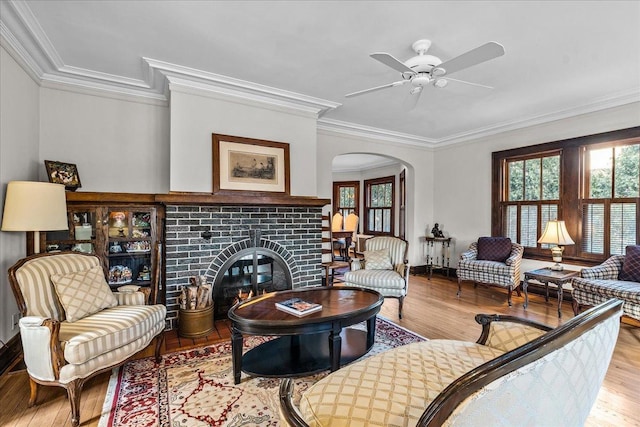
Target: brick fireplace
x,y
201,237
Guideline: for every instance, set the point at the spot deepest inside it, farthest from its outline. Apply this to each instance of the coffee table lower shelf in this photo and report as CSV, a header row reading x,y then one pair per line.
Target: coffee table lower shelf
x,y
297,355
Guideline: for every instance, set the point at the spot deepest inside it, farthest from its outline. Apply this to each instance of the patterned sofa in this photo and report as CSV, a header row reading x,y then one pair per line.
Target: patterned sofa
x,y
74,327
604,281
515,374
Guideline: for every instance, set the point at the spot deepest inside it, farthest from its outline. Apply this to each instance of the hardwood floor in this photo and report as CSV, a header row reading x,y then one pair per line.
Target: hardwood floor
x,y
431,310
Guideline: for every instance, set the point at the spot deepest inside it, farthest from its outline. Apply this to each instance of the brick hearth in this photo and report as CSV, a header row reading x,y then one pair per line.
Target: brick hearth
x,y
296,229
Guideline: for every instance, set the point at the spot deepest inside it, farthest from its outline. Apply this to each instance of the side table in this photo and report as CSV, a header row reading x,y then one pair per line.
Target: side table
x,y
546,276
438,260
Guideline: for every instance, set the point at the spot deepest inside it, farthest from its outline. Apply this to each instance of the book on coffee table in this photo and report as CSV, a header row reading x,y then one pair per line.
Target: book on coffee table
x,y
298,307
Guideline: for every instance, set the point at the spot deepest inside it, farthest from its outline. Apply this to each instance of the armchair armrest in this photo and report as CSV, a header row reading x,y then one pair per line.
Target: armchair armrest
x,y
508,332
515,258
40,337
608,270
403,269
471,253
132,298
289,411
357,264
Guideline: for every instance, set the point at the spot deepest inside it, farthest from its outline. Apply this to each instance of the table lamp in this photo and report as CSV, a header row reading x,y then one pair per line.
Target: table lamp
x,y
556,234
34,206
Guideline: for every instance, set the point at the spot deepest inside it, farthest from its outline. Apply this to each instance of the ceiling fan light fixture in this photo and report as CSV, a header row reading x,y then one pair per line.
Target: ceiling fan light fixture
x,y
416,90
440,83
437,71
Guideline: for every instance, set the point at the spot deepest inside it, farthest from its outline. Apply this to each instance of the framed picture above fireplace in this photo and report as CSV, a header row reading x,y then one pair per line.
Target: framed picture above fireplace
x,y
246,164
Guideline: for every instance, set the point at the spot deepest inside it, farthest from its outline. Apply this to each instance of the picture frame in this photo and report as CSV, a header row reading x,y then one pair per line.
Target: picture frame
x,y
63,173
250,165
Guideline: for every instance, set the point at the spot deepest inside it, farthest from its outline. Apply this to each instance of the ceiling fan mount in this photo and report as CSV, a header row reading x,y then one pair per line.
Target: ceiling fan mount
x,y
424,69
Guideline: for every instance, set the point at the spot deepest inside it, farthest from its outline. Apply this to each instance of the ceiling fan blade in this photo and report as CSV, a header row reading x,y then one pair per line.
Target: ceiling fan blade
x,y
469,83
373,89
475,56
392,62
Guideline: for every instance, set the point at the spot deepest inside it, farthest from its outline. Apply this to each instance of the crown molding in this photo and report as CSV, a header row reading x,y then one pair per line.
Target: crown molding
x,y
362,131
614,100
215,85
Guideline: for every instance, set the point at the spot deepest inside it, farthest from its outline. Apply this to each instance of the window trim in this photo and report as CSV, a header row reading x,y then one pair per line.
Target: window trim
x,y
571,186
336,195
367,192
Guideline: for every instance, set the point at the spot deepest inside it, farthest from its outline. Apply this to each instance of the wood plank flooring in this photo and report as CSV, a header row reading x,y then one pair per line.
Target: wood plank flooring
x,y
431,310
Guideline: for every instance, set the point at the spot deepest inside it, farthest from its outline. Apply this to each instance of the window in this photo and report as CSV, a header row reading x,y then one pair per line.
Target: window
x,y
609,202
591,182
379,206
346,197
532,196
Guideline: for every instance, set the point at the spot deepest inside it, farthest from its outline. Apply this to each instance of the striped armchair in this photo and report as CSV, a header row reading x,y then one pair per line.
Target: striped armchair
x,y
389,275
73,327
503,274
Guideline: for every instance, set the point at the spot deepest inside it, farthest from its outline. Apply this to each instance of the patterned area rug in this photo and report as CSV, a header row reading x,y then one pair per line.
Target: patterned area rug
x,y
195,387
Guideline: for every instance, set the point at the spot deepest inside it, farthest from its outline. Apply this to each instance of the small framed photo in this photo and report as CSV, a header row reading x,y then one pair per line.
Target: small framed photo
x,y
63,173
250,165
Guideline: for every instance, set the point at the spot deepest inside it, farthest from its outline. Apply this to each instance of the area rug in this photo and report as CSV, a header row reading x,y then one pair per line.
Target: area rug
x,y
195,387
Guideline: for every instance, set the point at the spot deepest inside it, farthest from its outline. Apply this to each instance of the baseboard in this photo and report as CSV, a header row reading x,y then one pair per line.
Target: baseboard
x,y
423,269
9,353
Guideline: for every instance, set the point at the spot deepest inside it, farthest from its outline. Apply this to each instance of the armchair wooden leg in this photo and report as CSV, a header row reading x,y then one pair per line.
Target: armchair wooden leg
x,y
509,291
34,392
575,305
74,390
400,302
159,342
459,288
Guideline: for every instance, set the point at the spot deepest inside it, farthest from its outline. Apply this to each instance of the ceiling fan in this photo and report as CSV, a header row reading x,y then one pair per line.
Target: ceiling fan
x,y
422,69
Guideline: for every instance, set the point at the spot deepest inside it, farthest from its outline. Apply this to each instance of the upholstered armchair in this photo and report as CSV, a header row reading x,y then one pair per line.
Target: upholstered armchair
x,y
492,261
617,277
518,373
385,268
74,327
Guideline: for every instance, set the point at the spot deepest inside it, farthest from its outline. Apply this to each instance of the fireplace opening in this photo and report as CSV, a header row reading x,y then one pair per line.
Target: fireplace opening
x,y
251,271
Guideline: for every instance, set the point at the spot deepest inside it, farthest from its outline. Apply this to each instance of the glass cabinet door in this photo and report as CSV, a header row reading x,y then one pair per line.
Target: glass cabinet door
x,y
129,246
80,237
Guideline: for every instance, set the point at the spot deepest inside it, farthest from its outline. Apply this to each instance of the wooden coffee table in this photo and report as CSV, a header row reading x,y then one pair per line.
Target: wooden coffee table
x,y
308,344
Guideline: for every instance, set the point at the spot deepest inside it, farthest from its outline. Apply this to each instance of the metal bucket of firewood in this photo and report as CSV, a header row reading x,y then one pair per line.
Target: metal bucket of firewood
x,y
196,323
195,316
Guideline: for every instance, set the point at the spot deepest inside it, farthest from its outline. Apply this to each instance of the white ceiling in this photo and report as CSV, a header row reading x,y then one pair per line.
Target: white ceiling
x,y
562,57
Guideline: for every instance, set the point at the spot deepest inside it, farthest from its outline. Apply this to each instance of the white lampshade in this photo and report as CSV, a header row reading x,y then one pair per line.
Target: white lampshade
x,y
34,206
556,234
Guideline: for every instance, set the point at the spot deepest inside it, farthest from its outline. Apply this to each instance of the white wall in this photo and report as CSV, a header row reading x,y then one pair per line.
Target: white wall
x,y
462,195
19,160
195,116
420,178
119,144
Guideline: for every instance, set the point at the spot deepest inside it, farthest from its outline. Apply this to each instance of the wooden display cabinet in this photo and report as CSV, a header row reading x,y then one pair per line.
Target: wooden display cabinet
x,y
125,230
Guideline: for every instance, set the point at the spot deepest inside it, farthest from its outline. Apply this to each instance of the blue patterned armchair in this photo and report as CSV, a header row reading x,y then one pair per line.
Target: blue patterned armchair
x,y
495,272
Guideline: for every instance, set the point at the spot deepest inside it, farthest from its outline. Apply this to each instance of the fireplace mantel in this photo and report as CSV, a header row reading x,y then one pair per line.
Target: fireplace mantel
x,y
201,199
239,199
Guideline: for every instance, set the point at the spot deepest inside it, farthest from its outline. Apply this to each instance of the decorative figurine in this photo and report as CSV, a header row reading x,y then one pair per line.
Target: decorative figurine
x,y
436,231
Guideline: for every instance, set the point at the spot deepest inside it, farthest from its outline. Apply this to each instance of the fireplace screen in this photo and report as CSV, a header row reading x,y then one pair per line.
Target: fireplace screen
x,y
250,272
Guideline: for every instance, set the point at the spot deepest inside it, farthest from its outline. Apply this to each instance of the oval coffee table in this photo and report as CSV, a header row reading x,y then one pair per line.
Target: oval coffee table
x,y
307,344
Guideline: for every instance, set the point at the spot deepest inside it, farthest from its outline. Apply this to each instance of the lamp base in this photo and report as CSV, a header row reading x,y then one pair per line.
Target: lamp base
x,y
556,267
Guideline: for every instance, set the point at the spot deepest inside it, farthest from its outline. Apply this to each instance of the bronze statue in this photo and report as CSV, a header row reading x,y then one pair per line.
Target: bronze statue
x,y
436,231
